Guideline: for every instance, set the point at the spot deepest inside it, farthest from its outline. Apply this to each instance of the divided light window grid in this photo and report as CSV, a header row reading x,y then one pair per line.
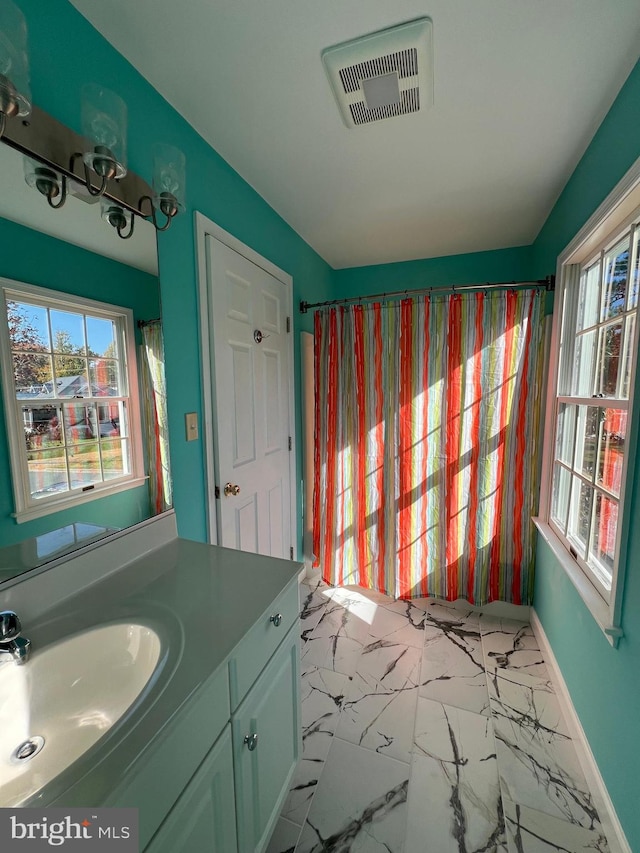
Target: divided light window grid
x,y
70,397
598,340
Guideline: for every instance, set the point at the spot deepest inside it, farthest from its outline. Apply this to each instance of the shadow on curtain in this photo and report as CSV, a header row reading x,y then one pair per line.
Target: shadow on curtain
x,y
427,445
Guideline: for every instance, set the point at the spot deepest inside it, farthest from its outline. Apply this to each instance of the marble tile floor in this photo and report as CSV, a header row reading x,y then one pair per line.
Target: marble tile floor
x,y
428,729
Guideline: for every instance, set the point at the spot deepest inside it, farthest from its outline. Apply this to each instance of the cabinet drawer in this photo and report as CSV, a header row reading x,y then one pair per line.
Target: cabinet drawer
x,y
255,649
159,778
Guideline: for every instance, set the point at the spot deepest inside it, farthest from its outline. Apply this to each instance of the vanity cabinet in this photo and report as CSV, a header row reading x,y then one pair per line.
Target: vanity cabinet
x,y
265,746
233,799
203,819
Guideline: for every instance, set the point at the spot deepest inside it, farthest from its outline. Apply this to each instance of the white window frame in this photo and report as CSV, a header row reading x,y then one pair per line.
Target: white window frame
x,y
619,210
26,507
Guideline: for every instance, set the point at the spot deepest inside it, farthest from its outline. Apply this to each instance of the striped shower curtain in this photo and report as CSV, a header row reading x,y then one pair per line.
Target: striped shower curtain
x,y
427,445
154,404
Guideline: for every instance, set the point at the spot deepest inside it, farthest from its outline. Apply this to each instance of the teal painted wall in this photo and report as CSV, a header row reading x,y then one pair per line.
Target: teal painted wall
x,y
472,268
604,682
35,258
213,188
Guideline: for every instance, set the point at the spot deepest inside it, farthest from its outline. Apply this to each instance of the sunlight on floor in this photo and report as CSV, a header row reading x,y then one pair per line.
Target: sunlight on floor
x,y
353,601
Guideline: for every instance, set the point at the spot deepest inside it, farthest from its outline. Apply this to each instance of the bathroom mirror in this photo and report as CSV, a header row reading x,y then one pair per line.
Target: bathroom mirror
x,y
73,250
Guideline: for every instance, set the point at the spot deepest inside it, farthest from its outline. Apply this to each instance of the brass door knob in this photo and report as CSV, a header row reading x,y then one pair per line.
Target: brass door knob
x,y
231,489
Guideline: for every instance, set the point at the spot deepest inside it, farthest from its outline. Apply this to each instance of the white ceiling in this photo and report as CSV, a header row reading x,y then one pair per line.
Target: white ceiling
x,y
520,86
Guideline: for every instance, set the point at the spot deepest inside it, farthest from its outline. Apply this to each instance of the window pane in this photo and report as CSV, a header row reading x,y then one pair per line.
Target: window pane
x,y
560,495
580,515
71,376
104,377
28,326
635,272
627,361
565,432
614,285
584,364
67,331
609,359
611,450
101,337
42,427
33,376
47,472
589,295
84,464
79,423
109,415
115,460
587,439
123,419
603,538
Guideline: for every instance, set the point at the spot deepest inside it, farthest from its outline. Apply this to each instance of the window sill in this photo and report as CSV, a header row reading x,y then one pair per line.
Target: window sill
x,y
595,604
69,502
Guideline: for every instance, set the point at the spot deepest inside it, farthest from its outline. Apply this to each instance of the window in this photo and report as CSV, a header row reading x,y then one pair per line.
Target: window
x,y
70,394
592,376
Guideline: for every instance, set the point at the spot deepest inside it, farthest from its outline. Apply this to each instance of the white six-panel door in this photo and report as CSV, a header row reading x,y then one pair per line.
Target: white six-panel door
x,y
251,403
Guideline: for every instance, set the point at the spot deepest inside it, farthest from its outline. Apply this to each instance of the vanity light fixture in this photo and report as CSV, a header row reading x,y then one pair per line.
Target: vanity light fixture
x,y
52,185
15,92
118,217
57,159
168,184
104,124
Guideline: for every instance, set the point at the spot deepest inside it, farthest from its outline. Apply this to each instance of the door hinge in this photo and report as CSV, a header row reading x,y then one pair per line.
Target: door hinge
x,y
291,553
288,325
290,444
217,492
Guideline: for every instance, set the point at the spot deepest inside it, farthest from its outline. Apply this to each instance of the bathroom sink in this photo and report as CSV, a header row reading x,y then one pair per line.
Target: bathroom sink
x,y
66,698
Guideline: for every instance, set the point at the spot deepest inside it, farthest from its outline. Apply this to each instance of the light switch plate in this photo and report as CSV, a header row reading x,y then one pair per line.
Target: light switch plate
x,y
191,425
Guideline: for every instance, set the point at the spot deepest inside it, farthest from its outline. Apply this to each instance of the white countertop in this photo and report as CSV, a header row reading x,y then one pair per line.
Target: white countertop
x,y
201,600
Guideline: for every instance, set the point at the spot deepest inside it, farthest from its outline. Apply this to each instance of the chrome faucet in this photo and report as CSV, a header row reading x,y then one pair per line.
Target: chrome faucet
x,y
11,643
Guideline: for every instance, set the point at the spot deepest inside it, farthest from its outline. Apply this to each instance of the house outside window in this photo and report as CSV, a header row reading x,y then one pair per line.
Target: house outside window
x,y
71,398
589,446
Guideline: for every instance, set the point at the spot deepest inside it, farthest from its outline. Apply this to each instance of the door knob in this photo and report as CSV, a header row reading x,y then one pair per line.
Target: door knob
x,y
231,489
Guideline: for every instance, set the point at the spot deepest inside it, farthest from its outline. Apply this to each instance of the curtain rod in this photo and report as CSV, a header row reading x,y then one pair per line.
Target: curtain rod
x,y
548,283
142,323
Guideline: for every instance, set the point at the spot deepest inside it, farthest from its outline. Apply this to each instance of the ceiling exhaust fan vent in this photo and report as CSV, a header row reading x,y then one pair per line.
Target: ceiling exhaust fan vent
x,y
384,74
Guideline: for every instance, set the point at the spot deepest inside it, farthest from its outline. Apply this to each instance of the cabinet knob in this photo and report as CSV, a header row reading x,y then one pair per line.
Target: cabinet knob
x,y
251,741
276,619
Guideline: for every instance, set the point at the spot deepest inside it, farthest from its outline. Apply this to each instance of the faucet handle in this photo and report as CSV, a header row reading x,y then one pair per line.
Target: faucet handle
x,y
10,626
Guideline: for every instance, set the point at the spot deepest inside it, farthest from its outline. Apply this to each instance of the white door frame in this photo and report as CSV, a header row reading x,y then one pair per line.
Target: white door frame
x,y
205,227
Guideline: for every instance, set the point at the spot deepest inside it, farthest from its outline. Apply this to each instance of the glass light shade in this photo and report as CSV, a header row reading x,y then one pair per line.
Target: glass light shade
x,y
15,90
41,178
168,179
104,123
116,216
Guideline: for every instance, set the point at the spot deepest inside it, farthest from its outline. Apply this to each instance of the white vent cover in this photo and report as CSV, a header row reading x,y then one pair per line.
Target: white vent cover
x,y
384,74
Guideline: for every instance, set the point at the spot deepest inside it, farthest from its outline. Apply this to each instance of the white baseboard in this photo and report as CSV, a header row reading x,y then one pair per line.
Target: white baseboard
x,y
612,827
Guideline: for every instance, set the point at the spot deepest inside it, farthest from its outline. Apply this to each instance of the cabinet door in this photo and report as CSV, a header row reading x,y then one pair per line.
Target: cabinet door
x,y
203,819
262,774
